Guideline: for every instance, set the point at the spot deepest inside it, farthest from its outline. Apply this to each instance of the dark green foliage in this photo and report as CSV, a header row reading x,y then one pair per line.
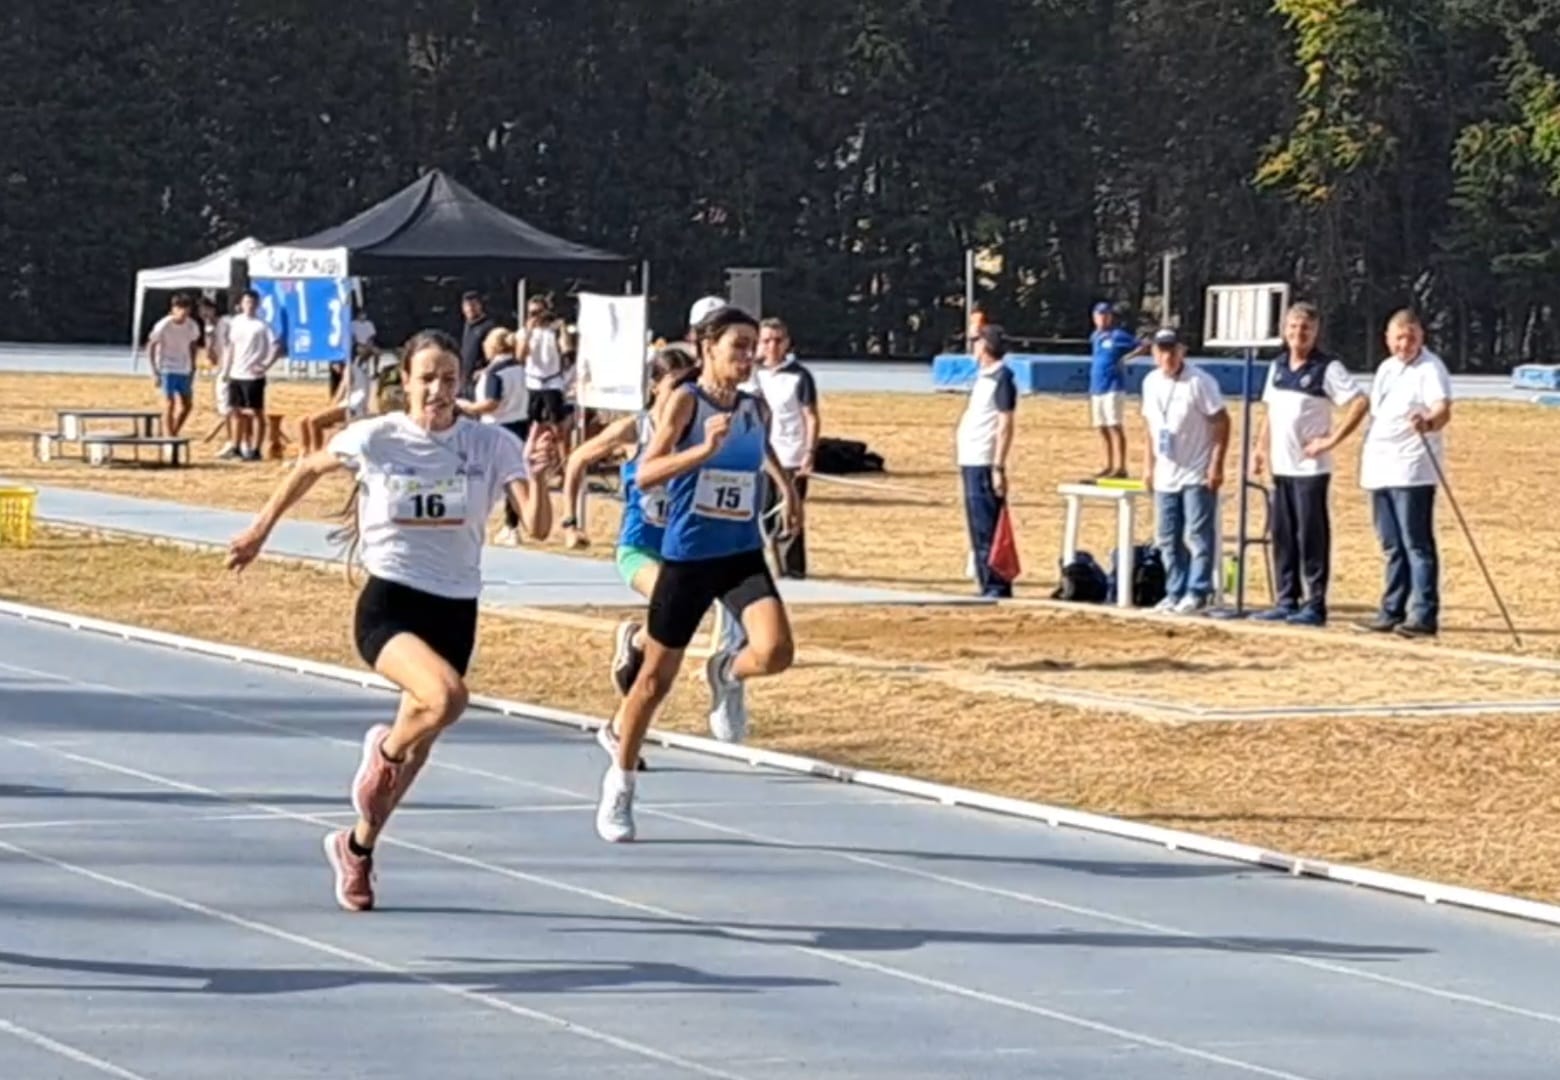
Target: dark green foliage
x,y
1372,152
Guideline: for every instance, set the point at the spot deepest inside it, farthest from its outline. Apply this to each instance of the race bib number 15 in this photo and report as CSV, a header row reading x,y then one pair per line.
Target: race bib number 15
x,y
428,503
726,495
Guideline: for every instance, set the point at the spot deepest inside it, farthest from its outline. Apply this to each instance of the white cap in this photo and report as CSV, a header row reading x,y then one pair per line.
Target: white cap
x,y
703,309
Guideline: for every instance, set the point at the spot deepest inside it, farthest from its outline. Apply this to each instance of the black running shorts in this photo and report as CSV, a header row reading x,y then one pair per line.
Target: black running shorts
x,y
684,592
388,608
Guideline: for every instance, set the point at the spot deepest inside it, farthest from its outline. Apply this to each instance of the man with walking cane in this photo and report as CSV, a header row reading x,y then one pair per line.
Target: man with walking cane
x,y
1401,461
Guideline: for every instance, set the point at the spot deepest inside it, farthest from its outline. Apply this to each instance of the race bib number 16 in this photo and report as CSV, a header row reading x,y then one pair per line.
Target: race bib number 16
x,y
726,495
428,503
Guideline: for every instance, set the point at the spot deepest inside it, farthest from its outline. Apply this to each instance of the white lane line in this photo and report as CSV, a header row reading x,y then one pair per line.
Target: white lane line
x,y
344,816
963,884
364,961
611,899
65,1050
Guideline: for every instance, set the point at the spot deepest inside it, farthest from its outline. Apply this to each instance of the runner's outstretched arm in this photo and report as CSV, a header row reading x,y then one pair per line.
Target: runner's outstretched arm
x,y
245,547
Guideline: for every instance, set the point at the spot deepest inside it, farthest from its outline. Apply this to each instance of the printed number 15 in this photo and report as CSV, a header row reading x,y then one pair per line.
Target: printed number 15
x,y
728,498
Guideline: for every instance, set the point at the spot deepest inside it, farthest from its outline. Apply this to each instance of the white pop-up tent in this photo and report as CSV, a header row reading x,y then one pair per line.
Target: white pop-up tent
x,y
215,271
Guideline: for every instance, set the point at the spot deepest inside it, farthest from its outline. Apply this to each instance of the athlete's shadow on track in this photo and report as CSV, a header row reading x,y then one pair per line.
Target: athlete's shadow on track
x,y
506,976
1116,868
878,939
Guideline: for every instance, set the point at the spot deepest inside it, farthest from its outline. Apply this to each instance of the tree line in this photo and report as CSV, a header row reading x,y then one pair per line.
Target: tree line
x,y
1374,153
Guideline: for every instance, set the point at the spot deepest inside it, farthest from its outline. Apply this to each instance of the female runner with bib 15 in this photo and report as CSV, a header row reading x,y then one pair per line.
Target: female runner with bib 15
x,y
426,481
710,449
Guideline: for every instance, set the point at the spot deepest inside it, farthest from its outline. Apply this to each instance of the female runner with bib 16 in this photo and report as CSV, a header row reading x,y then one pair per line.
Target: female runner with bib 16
x,y
710,449
427,480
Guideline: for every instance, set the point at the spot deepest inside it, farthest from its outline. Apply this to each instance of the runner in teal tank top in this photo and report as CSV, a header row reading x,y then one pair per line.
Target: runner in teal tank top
x,y
710,451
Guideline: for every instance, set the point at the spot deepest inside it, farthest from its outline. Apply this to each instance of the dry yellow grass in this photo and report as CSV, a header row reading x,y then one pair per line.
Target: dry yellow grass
x,y
1500,460
1468,801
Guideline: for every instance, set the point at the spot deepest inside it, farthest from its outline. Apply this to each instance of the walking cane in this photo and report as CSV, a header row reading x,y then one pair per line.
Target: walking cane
x,y
1440,475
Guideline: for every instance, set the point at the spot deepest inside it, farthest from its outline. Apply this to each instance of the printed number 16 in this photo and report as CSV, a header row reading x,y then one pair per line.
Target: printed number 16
x,y
428,506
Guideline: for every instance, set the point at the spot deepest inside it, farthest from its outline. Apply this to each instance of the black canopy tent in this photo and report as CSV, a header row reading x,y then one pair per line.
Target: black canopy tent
x,y
437,226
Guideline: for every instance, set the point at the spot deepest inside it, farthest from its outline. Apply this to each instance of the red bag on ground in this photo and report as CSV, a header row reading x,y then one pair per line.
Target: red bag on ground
x,y
1004,549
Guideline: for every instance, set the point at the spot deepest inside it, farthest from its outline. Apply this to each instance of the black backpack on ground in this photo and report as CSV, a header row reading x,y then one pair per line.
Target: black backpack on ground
x,y
1083,581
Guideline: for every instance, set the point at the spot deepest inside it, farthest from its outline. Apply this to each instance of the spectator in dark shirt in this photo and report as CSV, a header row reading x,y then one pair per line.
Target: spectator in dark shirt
x,y
479,324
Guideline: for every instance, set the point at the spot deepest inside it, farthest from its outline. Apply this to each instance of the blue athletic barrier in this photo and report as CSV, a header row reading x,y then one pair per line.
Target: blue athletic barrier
x,y
1536,377
1070,374
1551,400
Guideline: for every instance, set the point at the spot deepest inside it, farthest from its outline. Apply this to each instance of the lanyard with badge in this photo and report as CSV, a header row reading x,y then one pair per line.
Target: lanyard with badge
x,y
1166,439
436,501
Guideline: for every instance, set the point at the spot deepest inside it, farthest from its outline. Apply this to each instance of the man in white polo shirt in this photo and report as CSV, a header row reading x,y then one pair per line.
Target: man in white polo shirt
x,y
792,396
1410,405
984,438
1188,438
1296,438
251,350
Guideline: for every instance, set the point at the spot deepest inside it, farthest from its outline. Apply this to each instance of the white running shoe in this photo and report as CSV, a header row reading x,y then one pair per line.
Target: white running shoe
x,y
507,537
1190,604
1166,605
615,814
728,701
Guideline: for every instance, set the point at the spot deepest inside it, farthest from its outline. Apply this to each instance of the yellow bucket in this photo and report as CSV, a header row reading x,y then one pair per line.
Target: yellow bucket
x,y
16,515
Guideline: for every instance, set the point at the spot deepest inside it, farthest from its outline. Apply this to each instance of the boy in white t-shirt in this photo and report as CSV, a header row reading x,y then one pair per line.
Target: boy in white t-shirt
x,y
1410,405
171,349
1188,439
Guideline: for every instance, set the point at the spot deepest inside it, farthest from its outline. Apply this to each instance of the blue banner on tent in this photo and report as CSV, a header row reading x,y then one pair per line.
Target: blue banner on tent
x,y
312,317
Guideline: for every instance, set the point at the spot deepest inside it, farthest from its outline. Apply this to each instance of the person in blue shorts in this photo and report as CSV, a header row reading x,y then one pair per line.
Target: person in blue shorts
x,y
710,450
171,349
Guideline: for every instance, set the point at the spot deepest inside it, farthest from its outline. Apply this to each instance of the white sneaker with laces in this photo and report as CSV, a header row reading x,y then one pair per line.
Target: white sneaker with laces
x,y
1166,605
728,702
615,814
1190,605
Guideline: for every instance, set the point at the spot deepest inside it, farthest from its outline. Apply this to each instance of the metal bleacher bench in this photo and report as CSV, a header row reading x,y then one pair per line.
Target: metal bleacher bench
x,y
100,448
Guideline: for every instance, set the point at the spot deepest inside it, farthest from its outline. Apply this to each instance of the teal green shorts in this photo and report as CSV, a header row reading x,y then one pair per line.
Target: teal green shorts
x,y
632,559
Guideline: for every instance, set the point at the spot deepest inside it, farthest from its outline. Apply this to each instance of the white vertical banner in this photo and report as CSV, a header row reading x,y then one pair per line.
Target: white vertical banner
x,y
613,332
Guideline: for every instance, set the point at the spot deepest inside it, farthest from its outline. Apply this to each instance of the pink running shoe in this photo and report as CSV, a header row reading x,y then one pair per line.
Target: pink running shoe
x,y
354,873
378,785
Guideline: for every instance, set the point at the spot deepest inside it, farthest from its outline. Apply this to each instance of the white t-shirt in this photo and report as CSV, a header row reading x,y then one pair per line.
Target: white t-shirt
x,y
426,496
543,360
1179,413
359,389
790,391
504,381
177,341
995,394
1302,411
1393,454
250,345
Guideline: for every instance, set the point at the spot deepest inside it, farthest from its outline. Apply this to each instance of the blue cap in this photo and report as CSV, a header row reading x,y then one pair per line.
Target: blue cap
x,y
1104,308
1168,337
